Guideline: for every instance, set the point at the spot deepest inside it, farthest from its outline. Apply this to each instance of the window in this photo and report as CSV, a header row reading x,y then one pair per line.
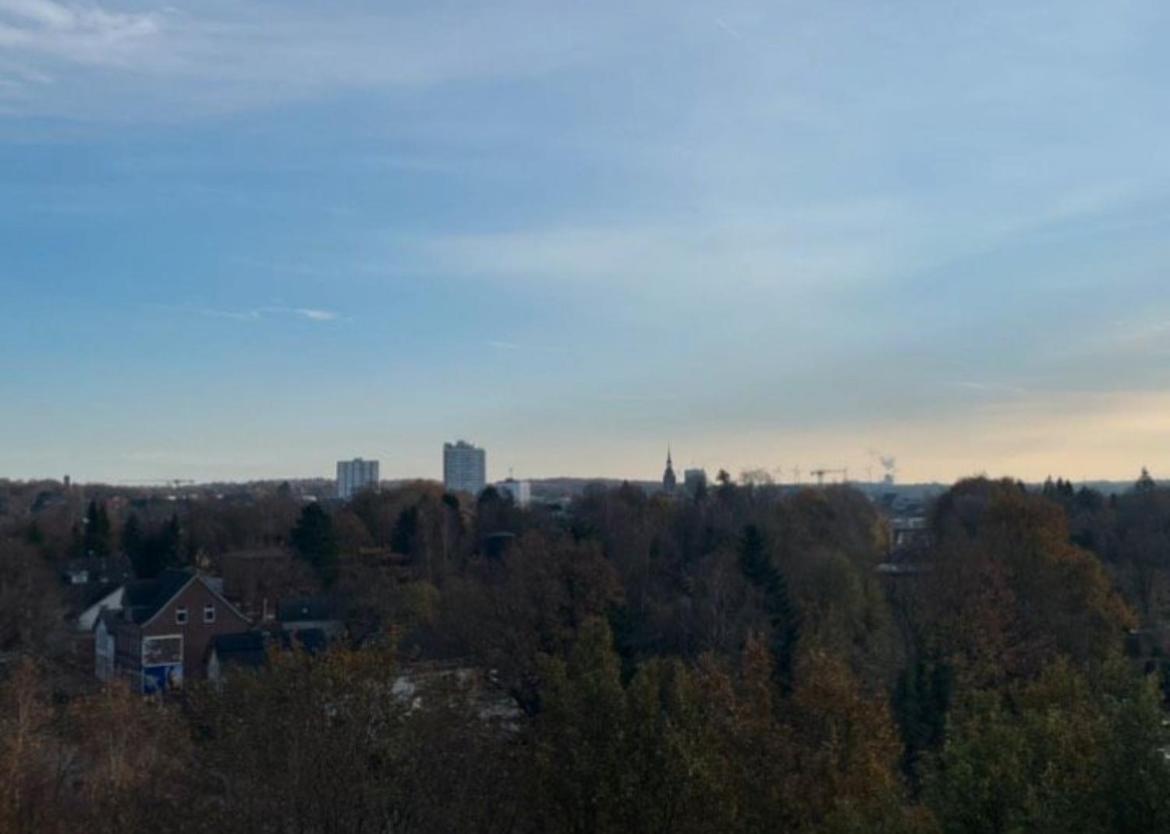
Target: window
x,y
181,616
209,613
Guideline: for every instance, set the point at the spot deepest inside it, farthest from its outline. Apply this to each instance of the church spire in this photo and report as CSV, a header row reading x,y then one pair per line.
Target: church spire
x,y
669,481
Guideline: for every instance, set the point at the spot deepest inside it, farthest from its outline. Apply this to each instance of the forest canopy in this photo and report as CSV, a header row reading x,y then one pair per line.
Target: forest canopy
x,y
745,660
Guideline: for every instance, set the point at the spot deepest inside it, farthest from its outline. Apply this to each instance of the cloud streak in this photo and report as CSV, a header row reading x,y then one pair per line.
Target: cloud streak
x,y
314,314
226,56
83,34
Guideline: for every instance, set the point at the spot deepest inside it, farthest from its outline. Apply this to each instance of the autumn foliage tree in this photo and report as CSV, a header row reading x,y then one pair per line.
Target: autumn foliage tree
x,y
739,661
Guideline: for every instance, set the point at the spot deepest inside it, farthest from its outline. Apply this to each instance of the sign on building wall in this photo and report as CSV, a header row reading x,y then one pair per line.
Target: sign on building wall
x,y
162,663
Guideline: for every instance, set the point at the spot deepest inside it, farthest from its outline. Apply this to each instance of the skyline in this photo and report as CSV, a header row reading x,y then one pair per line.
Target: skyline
x,y
248,239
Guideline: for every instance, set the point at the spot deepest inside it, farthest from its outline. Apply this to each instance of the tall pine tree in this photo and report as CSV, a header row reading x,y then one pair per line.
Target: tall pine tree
x,y
756,564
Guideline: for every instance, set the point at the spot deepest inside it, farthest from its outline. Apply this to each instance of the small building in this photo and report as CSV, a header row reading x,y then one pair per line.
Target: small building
x,y
97,570
162,633
908,533
86,604
247,650
519,491
252,649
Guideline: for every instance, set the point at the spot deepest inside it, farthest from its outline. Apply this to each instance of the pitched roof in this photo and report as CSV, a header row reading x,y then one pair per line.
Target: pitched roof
x,y
146,597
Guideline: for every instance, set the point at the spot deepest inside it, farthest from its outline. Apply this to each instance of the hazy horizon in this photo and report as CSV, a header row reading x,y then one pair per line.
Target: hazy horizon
x,y
249,239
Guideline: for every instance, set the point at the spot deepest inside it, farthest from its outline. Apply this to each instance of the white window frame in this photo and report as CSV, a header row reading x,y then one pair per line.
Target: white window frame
x,y
182,617
209,613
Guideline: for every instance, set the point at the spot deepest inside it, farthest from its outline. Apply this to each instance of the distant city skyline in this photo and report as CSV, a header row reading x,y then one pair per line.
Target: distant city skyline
x,y
243,240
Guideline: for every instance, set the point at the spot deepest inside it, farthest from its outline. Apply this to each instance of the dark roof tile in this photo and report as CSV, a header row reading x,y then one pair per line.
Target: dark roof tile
x,y
146,597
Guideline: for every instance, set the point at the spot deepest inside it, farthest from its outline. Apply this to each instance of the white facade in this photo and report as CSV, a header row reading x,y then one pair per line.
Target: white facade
x,y
104,649
464,467
521,491
355,475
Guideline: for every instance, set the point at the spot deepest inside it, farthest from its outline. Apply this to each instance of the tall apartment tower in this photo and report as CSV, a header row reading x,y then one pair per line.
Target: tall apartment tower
x,y
464,467
355,475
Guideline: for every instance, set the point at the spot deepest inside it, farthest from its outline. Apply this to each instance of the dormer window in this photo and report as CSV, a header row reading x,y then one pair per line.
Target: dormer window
x,y
209,613
181,616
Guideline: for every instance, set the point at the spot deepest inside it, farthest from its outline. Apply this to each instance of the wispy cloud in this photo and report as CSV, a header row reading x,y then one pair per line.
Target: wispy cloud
x,y
226,56
728,28
638,398
309,313
256,314
989,388
497,344
83,33
673,254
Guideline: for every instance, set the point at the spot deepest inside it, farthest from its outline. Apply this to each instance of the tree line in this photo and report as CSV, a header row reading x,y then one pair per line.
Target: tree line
x,y
734,662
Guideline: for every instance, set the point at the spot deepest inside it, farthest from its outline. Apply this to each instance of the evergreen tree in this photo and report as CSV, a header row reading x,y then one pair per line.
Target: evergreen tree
x,y
151,554
314,540
757,567
133,542
97,531
404,539
169,541
34,535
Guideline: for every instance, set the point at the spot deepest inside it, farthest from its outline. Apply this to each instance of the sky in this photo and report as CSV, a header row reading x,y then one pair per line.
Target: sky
x,y
246,239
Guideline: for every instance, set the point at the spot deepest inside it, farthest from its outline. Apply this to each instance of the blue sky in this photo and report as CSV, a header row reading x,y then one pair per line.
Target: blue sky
x,y
243,239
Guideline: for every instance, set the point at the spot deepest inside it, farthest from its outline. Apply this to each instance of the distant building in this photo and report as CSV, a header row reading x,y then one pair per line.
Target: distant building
x,y
694,481
97,570
161,631
669,481
355,475
909,533
521,491
464,467
250,649
245,650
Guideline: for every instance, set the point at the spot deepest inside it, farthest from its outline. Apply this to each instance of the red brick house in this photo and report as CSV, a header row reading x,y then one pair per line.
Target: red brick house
x,y
162,633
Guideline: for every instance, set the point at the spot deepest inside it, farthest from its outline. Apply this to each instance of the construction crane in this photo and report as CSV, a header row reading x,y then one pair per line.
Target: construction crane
x,y
820,474
170,482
